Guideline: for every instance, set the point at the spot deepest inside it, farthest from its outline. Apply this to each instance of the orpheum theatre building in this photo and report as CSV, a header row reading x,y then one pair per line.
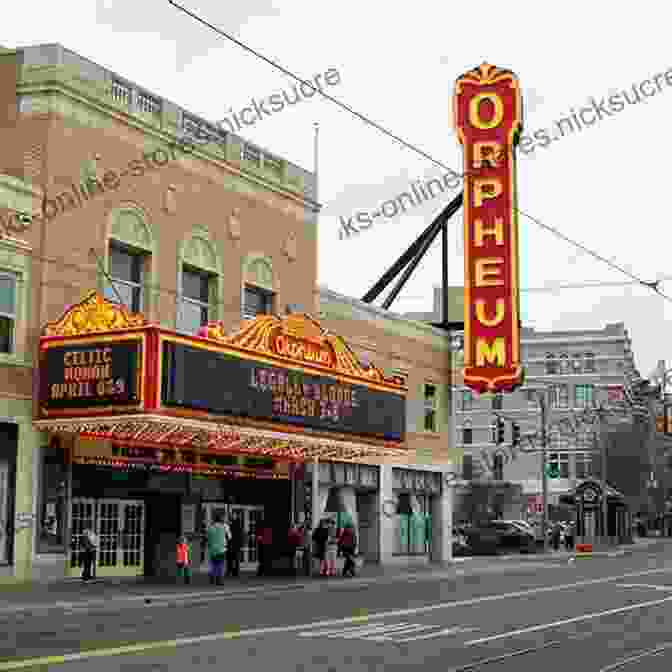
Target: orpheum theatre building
x,y
155,424
166,352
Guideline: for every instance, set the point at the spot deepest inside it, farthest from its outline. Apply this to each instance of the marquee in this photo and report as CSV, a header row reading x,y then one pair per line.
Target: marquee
x,y
277,387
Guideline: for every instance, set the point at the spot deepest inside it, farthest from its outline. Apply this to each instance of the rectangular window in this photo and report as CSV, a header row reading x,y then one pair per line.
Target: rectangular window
x,y
52,513
8,286
126,271
551,364
257,301
467,400
413,534
560,460
559,396
467,467
195,308
430,408
584,396
584,465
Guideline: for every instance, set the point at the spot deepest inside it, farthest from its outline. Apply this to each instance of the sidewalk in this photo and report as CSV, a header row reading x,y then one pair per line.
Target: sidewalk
x,y
73,594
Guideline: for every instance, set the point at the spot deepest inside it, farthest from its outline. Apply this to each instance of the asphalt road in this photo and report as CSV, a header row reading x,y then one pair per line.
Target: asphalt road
x,y
546,616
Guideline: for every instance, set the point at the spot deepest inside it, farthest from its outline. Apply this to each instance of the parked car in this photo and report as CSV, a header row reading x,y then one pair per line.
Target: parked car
x,y
500,536
460,545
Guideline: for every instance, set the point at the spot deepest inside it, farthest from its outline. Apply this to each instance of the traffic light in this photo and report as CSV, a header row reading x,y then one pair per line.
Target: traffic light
x,y
499,438
553,470
515,434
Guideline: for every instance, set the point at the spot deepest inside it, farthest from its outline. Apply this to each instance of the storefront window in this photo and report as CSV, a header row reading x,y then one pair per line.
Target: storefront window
x,y
53,510
414,525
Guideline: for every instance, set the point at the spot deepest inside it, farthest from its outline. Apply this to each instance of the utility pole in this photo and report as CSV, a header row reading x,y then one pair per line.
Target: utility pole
x,y
544,481
603,458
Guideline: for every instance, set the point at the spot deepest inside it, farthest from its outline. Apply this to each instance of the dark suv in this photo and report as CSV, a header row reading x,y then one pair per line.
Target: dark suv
x,y
498,536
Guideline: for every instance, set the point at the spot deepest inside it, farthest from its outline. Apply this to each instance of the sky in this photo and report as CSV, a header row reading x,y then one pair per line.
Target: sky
x,y
604,186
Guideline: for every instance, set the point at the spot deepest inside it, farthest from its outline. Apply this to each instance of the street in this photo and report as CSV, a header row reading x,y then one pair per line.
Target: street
x,y
538,614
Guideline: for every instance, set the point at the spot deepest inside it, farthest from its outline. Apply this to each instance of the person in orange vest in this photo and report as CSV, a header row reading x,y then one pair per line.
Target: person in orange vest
x,y
184,559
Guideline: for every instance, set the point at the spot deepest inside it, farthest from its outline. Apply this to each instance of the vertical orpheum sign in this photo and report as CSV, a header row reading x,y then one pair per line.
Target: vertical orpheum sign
x,y
488,121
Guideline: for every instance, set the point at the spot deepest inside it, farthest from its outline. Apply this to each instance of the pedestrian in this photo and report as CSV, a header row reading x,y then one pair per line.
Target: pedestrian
x,y
235,547
556,533
295,545
219,535
307,549
320,537
569,537
183,559
89,548
348,543
332,548
264,546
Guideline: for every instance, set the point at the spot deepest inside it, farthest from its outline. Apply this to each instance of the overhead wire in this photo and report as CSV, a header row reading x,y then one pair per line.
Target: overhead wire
x,y
414,148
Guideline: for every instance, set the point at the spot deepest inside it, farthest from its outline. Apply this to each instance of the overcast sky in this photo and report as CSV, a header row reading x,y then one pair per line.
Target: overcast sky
x,y
606,186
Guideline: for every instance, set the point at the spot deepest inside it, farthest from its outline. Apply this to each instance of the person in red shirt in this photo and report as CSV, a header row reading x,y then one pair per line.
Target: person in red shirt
x,y
184,559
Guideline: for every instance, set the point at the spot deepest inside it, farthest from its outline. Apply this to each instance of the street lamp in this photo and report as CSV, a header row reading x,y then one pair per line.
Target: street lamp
x,y
455,345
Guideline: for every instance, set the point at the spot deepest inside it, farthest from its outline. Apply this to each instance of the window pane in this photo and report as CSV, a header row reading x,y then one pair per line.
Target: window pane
x,y
430,421
53,510
7,294
195,285
257,302
6,334
130,295
125,265
191,317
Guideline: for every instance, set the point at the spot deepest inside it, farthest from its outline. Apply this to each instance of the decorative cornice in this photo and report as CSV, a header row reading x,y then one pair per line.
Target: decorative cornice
x,y
94,315
298,337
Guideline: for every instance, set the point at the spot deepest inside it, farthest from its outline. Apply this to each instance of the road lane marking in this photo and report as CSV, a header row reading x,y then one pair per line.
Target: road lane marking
x,y
283,629
566,621
389,632
651,586
441,633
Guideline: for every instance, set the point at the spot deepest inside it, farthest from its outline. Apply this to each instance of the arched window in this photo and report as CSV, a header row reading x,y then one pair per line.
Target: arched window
x,y
564,363
467,433
551,364
199,268
129,259
589,362
259,291
577,363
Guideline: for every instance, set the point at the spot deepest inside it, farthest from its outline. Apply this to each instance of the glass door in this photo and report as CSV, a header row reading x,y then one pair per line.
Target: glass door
x,y
107,529
83,517
132,542
252,516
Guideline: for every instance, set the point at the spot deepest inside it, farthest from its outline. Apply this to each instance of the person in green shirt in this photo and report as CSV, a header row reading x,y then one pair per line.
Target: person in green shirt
x,y
219,536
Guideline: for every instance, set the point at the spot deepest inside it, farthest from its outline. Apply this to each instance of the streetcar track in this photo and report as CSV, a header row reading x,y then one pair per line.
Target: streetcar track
x,y
518,652
631,659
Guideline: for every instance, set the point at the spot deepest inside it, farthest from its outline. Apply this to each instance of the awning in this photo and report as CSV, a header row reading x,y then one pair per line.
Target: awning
x,y
278,387
163,432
